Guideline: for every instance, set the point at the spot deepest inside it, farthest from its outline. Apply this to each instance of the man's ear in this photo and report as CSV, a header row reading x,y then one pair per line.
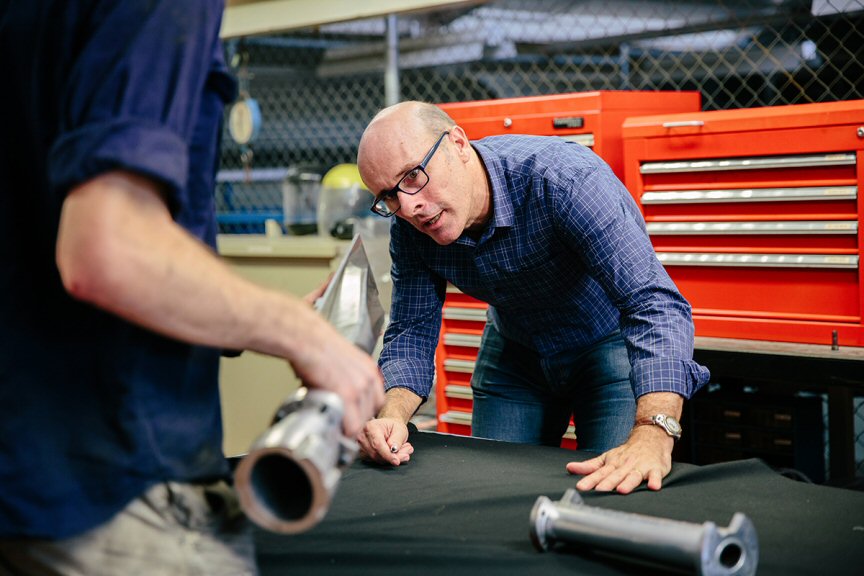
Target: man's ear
x,y
461,141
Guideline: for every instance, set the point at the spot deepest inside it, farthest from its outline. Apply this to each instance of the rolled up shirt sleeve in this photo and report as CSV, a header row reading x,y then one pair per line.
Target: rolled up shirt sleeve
x,y
132,100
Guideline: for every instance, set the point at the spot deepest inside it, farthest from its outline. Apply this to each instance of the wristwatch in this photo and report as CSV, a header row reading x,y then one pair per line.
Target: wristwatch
x,y
668,423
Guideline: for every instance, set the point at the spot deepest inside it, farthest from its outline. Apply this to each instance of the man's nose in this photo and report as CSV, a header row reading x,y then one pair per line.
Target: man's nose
x,y
411,203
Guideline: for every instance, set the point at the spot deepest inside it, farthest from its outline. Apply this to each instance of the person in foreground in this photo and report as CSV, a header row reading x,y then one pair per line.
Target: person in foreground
x,y
115,307
582,317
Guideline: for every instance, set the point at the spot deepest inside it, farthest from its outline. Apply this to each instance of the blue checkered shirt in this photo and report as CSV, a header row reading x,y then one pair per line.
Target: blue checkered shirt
x,y
564,262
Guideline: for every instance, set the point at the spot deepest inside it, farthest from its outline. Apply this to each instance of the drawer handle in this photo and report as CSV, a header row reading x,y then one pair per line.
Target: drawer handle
x,y
793,227
454,417
469,314
459,392
465,340
751,195
840,261
751,163
683,123
457,365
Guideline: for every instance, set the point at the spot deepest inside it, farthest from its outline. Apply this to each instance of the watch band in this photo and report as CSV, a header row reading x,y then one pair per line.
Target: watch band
x,y
669,424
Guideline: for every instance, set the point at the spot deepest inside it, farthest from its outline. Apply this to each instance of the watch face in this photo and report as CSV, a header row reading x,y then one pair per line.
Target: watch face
x,y
672,425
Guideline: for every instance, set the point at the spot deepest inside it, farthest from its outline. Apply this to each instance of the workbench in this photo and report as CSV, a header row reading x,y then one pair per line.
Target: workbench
x,y
462,505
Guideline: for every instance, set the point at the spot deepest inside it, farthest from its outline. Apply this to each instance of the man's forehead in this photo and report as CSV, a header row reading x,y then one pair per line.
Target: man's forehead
x,y
390,151
392,144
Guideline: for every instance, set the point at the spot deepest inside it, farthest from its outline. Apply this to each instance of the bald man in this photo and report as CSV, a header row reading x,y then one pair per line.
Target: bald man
x,y
582,317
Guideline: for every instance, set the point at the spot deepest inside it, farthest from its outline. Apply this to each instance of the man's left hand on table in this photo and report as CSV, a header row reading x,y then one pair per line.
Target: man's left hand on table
x,y
647,455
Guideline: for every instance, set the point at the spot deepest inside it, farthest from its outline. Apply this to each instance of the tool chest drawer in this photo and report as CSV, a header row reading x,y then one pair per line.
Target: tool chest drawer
x,y
593,119
756,215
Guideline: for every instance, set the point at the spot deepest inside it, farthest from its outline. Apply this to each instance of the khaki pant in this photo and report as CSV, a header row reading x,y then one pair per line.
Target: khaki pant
x,y
172,530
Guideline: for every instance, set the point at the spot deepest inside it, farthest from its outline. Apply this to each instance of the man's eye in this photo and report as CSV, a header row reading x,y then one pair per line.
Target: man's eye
x,y
411,176
386,196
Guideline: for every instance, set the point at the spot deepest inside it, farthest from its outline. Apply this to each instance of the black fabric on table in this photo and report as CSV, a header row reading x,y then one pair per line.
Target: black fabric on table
x,y
462,505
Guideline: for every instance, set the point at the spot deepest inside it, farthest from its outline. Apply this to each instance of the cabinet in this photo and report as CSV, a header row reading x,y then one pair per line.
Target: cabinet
x,y
593,119
756,214
253,385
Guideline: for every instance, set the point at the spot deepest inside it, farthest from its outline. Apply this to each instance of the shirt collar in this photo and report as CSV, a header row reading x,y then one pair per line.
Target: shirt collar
x,y
502,204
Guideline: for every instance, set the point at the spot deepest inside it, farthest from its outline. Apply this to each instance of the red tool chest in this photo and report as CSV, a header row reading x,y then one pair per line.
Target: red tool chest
x,y
593,119
590,118
756,215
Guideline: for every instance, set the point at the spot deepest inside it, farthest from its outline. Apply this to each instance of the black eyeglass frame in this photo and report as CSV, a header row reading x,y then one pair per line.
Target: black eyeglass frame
x,y
393,192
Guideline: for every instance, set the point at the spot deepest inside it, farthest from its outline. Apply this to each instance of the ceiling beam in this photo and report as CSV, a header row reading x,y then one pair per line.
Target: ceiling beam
x,y
257,17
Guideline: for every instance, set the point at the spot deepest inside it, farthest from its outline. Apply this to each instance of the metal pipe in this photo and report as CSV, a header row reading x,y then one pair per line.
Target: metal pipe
x,y
288,479
705,550
391,63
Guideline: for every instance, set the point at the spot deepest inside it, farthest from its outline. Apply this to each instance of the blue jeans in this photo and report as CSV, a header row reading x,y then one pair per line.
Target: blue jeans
x,y
521,397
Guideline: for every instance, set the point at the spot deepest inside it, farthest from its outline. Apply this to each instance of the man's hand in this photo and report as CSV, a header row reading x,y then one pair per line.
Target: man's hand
x,y
378,439
647,455
330,362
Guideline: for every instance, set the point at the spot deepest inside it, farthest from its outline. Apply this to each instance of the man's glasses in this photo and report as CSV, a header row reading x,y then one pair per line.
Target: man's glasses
x,y
387,203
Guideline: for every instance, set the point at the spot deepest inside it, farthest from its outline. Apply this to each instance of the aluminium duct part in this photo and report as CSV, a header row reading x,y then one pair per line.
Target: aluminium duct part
x,y
289,477
705,549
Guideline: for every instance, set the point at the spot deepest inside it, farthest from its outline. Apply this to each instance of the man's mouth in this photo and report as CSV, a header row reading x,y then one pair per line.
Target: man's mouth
x,y
434,220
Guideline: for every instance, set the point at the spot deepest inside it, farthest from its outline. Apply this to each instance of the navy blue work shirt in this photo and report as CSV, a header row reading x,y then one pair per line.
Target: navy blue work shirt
x,y
564,262
94,410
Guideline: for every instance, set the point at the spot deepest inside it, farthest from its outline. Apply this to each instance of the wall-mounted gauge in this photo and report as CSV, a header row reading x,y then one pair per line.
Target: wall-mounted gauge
x,y
244,120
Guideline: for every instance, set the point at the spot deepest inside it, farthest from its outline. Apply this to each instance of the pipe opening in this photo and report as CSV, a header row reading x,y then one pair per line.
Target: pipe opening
x,y
282,487
731,555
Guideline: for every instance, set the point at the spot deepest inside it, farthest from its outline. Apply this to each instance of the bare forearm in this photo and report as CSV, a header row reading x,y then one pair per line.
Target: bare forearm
x,y
122,252
667,403
400,404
